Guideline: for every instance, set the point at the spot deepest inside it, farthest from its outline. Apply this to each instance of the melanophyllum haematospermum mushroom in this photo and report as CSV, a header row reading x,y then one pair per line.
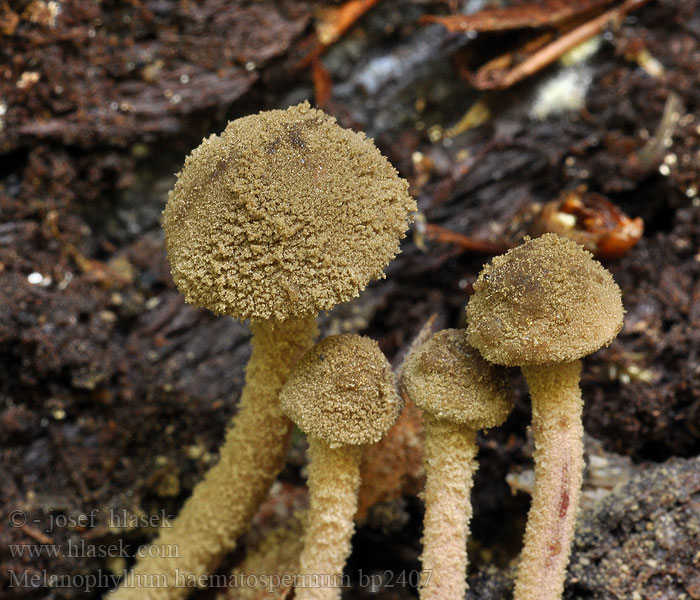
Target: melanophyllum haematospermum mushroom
x,y
283,215
343,395
459,393
543,306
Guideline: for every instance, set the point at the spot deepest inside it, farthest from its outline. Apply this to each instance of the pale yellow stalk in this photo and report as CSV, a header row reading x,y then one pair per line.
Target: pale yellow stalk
x,y
333,480
342,394
449,457
223,503
558,434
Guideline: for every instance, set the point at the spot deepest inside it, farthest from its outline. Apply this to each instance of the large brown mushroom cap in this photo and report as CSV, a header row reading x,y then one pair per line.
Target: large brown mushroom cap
x,y
450,380
284,214
546,301
342,392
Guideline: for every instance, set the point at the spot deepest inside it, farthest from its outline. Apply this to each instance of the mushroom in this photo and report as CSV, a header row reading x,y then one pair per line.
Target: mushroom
x,y
342,394
281,216
542,306
459,393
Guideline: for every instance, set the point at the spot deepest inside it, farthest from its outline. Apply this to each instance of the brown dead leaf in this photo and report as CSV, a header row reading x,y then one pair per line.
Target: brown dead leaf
x,y
8,19
490,79
536,14
333,22
441,235
323,85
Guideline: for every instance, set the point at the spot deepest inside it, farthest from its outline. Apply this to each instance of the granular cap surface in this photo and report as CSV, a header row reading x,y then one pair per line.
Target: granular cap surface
x,y
546,301
449,379
343,392
284,214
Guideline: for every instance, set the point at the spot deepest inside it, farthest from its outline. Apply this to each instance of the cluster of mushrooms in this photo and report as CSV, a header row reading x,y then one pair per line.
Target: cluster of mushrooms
x,y
286,214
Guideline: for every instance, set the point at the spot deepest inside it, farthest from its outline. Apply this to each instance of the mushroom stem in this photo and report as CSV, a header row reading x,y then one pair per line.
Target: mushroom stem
x,y
342,394
449,456
333,480
223,503
558,434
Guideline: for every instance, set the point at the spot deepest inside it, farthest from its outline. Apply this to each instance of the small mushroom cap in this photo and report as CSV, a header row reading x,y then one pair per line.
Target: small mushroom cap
x,y
546,301
343,392
450,380
284,214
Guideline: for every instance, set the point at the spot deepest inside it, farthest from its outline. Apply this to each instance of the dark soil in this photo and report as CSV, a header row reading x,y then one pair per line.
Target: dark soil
x,y
639,543
115,395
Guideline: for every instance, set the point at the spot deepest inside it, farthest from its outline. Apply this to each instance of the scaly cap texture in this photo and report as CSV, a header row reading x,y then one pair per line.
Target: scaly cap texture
x,y
342,392
543,302
284,214
449,379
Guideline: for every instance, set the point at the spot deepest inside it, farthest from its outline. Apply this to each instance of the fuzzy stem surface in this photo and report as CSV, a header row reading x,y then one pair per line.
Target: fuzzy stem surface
x,y
334,480
558,435
224,502
450,463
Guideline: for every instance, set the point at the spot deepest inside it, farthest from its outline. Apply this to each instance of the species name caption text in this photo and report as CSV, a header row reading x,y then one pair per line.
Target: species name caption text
x,y
272,583
115,519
